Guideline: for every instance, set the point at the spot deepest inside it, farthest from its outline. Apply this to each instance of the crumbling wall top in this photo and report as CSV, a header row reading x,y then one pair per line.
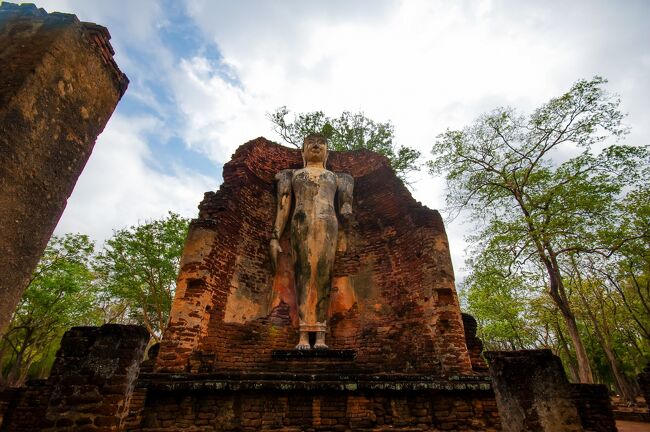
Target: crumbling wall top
x,y
14,16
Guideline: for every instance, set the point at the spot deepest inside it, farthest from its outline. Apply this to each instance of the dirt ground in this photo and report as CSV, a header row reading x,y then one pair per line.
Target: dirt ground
x,y
628,426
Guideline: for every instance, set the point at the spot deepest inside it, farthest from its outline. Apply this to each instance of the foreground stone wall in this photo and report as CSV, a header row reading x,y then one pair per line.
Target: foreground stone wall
x,y
533,394
594,407
58,87
25,407
644,384
393,296
90,385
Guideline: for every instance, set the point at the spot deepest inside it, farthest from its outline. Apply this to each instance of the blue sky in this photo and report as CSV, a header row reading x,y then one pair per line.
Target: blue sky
x,y
204,74
150,91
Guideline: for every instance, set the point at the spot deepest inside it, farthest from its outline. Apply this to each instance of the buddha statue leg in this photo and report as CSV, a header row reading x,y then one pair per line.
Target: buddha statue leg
x,y
314,247
327,235
299,233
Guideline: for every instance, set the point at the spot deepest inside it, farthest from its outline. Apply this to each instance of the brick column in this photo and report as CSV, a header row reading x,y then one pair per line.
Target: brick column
x,y
93,377
594,407
58,87
532,392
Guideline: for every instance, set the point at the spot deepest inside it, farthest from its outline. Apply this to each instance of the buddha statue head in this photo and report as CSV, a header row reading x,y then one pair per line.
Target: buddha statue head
x,y
314,150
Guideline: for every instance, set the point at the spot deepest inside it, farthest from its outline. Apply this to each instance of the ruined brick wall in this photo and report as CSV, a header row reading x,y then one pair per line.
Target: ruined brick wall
x,y
594,407
58,87
90,386
136,409
393,296
94,375
7,397
533,393
474,345
644,384
25,407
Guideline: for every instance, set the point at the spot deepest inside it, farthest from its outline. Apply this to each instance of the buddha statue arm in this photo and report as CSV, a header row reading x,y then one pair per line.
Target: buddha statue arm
x,y
283,179
345,187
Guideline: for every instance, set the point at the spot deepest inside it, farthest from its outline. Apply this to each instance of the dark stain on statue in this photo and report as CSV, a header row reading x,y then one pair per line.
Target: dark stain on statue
x,y
299,216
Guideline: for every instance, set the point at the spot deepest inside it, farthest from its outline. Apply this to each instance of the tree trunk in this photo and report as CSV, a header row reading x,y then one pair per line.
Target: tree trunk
x,y
573,369
14,372
584,367
556,291
622,384
602,334
24,372
627,305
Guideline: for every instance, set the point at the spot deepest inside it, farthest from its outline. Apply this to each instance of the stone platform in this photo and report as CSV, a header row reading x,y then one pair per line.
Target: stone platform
x,y
329,381
318,402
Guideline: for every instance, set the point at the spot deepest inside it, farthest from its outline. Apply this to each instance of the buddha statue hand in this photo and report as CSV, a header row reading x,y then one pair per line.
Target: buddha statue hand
x,y
275,249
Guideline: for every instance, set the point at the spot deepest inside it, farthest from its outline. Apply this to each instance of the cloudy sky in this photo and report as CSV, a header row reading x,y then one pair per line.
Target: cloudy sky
x,y
204,74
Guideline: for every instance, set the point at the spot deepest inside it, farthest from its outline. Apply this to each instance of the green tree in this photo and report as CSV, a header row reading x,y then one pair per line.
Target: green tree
x,y
500,300
629,272
138,268
600,309
350,131
615,290
504,170
60,294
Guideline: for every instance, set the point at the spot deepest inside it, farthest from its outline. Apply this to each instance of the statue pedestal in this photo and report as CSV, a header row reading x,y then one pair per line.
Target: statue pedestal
x,y
333,354
315,361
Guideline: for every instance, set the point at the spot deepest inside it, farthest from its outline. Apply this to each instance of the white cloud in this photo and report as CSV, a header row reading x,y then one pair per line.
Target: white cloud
x,y
120,188
425,65
136,22
135,37
132,24
218,115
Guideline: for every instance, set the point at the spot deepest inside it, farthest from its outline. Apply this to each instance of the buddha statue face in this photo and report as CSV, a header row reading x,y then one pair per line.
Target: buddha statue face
x,y
314,149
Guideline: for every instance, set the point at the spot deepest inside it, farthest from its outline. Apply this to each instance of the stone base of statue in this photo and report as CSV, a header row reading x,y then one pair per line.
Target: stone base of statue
x,y
326,353
324,401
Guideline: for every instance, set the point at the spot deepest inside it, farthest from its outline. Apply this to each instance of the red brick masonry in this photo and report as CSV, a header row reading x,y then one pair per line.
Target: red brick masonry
x,y
300,403
393,297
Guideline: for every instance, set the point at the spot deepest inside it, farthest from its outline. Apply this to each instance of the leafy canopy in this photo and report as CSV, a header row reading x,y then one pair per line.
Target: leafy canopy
x,y
544,188
138,267
350,131
131,281
506,170
60,294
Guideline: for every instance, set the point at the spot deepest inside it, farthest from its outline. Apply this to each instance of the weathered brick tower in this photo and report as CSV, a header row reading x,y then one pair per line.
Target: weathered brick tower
x,y
393,305
398,352
59,86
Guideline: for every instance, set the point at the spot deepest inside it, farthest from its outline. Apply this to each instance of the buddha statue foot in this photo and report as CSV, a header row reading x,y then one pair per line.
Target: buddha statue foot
x,y
303,341
320,341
